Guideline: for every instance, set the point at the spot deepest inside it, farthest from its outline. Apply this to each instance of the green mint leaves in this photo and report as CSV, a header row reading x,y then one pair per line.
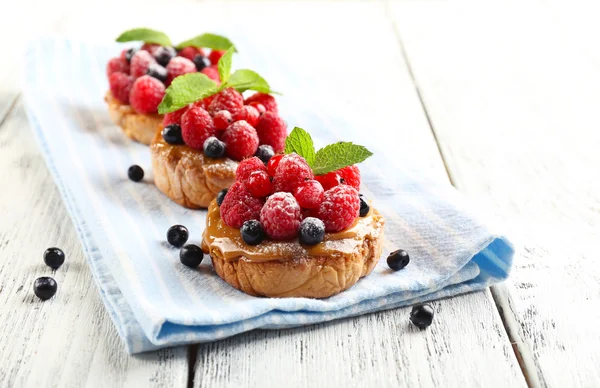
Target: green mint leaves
x,y
145,35
187,89
245,79
211,41
327,159
224,65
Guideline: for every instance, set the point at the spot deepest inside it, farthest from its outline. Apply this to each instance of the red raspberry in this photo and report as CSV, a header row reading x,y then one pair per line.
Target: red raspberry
x,y
212,74
228,99
149,46
291,173
174,117
281,216
259,184
239,206
259,107
215,55
146,94
329,180
339,208
179,66
117,65
309,194
222,120
241,140
266,100
196,127
190,52
140,62
247,167
248,113
351,176
120,86
271,130
273,164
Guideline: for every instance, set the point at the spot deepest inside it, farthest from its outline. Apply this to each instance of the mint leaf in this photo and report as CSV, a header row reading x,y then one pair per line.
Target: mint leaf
x,y
224,65
300,142
245,79
186,89
145,35
211,41
339,155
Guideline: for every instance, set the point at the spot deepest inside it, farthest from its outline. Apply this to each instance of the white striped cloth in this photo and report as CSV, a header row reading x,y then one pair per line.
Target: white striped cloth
x,y
157,302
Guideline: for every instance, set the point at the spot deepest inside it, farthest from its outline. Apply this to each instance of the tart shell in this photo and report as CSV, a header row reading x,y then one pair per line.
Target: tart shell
x,y
137,126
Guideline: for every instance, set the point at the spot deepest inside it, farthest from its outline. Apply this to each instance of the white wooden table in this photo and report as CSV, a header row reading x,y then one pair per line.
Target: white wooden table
x,y
500,98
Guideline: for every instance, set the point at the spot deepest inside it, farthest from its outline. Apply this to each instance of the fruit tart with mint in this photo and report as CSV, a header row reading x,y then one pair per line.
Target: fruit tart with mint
x,y
279,232
208,128
139,76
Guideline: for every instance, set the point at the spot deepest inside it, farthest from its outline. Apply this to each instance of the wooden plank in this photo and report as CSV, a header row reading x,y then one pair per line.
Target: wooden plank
x,y
68,341
512,92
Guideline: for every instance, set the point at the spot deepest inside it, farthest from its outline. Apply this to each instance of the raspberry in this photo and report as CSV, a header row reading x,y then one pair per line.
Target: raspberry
x,y
339,208
140,63
329,180
281,216
271,130
190,52
120,86
259,107
241,140
266,100
309,194
351,176
222,119
211,73
149,46
174,117
196,127
291,173
259,184
272,164
239,206
247,167
248,113
228,99
179,66
215,55
115,65
146,94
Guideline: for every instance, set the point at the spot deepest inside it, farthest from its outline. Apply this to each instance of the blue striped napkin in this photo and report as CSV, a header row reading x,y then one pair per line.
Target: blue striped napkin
x,y
155,301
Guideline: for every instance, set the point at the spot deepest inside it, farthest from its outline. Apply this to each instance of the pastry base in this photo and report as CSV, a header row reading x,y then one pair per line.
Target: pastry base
x,y
137,126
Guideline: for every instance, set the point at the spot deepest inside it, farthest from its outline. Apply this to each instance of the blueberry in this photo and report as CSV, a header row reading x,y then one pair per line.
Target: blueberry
x,y
312,231
172,134
54,258
135,173
129,54
252,232
398,259
221,196
214,148
157,71
177,235
265,153
201,62
44,287
191,255
364,207
164,54
421,316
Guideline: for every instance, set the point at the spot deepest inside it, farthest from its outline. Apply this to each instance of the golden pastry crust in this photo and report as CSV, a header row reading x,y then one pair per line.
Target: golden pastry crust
x,y
186,176
137,126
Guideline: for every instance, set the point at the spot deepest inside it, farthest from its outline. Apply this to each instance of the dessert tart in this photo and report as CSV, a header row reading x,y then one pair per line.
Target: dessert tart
x,y
277,232
198,146
139,76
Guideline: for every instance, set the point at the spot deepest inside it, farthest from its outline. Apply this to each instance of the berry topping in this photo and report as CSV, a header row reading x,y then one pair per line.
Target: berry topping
x,y
196,127
259,107
120,86
221,196
201,62
271,130
249,114
215,55
247,167
177,235
140,63
364,207
422,316
252,232
329,180
157,71
146,94
54,257
339,208
265,153
173,117
135,173
191,255
228,99
267,101
214,148
117,65
172,134
312,231
291,172
259,184
149,46
273,164
179,66
240,140
239,206
211,73
398,259
45,288
190,52
222,120
281,216
350,176
163,54
309,194
128,54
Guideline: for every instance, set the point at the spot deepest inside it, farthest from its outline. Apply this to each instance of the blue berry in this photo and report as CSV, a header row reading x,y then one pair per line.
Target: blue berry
x,y
191,255
135,173
164,54
312,231
129,54
252,232
265,153
364,207
172,134
201,62
214,148
177,235
398,259
54,257
422,316
221,196
45,288
157,71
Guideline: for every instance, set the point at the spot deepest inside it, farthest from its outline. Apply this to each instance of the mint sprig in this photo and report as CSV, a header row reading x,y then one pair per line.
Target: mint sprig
x,y
224,65
327,159
208,40
145,35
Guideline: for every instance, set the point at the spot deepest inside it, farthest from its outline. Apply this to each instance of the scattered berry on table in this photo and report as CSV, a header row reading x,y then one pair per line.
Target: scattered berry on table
x,y
190,52
350,176
146,94
172,134
222,120
247,167
140,62
177,235
179,66
221,196
157,71
273,164
239,206
291,172
422,316
252,232
398,259
196,127
128,54
312,231
214,148
248,113
309,194
259,184
267,101
339,208
120,86
281,216
329,180
163,54
54,257
135,173
259,107
173,117
271,130
227,99
191,255
215,55
265,153
364,207
201,62
117,65
211,73
45,287
241,140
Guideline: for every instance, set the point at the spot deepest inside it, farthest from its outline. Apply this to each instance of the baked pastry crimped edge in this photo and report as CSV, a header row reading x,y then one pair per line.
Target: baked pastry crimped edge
x,y
137,126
